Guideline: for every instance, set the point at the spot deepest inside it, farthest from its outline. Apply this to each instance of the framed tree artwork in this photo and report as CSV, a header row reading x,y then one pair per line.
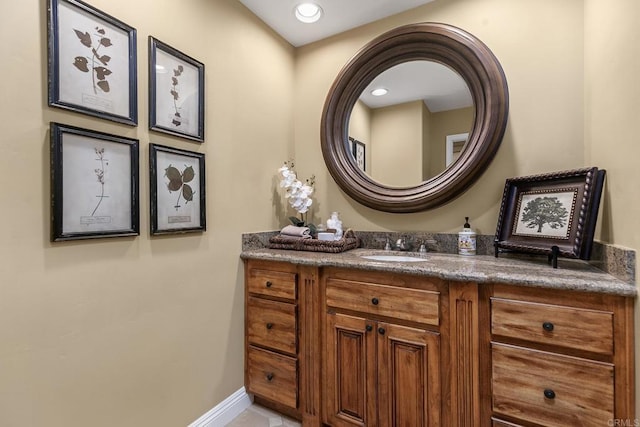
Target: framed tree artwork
x,y
553,214
94,184
178,203
91,62
176,92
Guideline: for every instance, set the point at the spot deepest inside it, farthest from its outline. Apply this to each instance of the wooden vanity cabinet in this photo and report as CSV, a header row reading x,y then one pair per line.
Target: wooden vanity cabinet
x,y
271,324
558,358
282,338
345,347
382,349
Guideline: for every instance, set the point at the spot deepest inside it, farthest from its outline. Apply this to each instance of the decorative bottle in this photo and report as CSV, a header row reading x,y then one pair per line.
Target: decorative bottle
x,y
334,223
466,239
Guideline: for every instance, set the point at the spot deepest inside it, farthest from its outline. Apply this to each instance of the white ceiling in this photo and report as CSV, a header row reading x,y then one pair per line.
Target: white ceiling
x,y
339,16
439,87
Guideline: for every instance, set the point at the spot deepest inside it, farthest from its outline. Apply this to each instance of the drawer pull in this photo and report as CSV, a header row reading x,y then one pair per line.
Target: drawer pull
x,y
369,328
381,331
268,284
549,394
374,301
269,376
547,326
269,325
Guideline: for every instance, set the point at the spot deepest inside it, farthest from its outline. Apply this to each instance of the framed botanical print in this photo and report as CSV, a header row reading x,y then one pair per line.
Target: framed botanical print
x,y
176,92
94,184
358,150
178,202
92,62
551,213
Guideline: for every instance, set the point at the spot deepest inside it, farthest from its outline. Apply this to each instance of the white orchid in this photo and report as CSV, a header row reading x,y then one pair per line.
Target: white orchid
x,y
298,194
288,176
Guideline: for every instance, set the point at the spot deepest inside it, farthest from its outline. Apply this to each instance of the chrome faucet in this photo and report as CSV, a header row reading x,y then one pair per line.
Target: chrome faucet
x,y
402,245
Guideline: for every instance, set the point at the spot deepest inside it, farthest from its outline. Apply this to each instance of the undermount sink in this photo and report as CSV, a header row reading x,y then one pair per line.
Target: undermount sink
x,y
394,258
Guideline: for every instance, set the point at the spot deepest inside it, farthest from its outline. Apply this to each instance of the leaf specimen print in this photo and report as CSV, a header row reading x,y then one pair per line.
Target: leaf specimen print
x,y
100,175
178,182
96,63
177,72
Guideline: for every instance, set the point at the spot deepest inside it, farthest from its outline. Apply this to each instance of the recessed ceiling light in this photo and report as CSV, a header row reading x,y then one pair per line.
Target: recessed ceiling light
x,y
308,12
379,92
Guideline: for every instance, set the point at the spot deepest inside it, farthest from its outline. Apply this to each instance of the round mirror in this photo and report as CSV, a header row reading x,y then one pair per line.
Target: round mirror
x,y
410,123
353,161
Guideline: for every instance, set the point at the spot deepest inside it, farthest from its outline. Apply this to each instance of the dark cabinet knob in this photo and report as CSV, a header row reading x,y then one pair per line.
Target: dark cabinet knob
x,y
374,301
549,394
269,325
381,331
268,284
547,326
269,376
369,328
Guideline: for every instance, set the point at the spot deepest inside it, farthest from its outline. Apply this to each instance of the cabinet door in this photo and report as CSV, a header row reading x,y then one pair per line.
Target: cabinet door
x,y
409,376
350,372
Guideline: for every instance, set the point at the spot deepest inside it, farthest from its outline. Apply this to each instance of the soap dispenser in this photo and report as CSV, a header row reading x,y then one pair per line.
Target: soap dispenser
x,y
334,223
466,239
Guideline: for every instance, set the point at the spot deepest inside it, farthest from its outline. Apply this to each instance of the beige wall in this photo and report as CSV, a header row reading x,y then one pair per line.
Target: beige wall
x,y
396,144
136,331
360,128
446,123
408,141
612,108
428,150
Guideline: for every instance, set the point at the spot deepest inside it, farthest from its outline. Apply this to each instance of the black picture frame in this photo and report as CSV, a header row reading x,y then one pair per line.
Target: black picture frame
x,y
94,184
175,171
92,62
553,214
176,92
359,151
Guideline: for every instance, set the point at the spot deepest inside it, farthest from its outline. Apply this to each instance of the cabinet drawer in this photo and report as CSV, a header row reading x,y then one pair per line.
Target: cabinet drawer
x,y
272,283
571,327
272,324
550,389
415,305
272,376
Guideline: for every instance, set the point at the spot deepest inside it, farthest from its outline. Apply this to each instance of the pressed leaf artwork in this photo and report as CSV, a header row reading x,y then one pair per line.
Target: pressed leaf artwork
x,y
178,182
177,72
100,175
96,63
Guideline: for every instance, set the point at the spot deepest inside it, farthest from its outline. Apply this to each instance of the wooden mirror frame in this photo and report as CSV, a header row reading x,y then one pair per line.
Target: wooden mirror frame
x,y
450,46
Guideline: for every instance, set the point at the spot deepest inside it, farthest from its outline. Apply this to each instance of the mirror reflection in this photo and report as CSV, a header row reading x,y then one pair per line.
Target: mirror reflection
x,y
415,128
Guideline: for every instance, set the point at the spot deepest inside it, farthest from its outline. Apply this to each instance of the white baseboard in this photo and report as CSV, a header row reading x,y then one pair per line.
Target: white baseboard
x,y
225,411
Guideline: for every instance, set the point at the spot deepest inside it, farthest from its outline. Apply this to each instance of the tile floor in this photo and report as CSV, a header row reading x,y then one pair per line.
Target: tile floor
x,y
257,416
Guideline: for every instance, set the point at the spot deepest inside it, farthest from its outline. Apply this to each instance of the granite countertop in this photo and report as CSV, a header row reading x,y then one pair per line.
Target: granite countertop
x,y
509,269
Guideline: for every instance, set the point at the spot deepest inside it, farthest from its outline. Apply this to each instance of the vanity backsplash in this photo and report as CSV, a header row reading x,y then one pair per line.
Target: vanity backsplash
x,y
615,260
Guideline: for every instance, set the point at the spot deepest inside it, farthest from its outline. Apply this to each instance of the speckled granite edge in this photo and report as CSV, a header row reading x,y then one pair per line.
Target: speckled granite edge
x,y
571,274
618,261
256,240
614,260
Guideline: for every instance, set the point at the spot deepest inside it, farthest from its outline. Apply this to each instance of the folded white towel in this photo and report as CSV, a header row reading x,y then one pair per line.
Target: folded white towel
x,y
293,231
